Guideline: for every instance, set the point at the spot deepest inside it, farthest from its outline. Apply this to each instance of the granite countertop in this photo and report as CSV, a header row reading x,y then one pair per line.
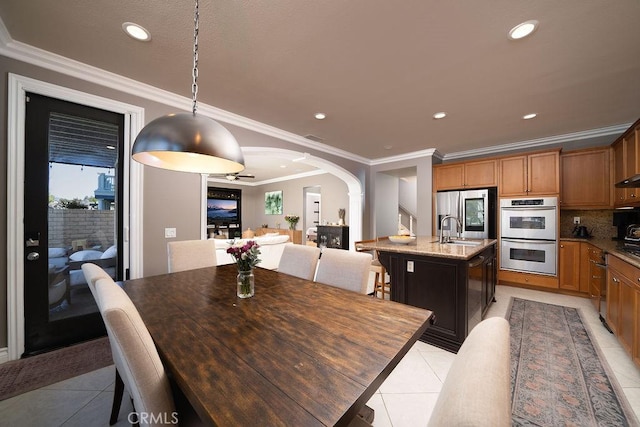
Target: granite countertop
x,y
609,246
429,246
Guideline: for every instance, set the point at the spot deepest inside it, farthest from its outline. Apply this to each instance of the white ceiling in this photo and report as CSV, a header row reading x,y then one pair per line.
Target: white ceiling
x,y
378,69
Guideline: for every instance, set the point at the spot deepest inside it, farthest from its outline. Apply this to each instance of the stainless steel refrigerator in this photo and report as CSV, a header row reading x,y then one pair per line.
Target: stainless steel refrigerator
x,y
476,210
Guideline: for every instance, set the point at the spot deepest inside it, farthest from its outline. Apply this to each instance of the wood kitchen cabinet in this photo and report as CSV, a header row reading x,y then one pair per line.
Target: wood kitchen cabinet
x,y
530,175
569,271
480,174
623,299
626,163
586,179
581,269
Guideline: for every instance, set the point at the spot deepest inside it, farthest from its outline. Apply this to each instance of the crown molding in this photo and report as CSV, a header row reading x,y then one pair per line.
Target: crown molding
x,y
407,156
541,142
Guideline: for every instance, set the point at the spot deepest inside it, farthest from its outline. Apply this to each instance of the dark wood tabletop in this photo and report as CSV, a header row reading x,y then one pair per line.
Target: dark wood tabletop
x,y
298,353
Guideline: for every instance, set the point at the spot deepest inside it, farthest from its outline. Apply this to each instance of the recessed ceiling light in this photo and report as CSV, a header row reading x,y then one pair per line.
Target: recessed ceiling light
x,y
529,116
523,29
136,31
440,115
283,166
388,147
320,116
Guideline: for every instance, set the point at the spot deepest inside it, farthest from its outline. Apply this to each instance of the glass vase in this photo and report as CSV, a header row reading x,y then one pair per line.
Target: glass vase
x,y
246,283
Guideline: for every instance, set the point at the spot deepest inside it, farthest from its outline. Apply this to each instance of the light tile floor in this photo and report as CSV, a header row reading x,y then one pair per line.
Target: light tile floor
x,y
406,398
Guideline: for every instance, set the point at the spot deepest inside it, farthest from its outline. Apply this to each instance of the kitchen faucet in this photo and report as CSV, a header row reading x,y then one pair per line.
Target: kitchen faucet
x,y
446,217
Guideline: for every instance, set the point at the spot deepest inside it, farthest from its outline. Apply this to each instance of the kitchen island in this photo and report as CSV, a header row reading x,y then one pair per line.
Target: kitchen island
x,y
454,280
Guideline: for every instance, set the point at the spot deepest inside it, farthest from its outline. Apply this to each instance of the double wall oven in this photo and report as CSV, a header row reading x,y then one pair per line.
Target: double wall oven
x,y
529,236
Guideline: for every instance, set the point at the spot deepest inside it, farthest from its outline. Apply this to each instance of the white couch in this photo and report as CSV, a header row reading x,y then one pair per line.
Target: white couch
x,y
271,247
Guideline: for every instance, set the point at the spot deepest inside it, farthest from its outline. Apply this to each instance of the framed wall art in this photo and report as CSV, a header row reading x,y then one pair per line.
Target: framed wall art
x,y
273,202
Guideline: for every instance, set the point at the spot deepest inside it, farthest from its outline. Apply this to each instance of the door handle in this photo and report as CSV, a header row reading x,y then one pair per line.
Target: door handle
x,y
33,256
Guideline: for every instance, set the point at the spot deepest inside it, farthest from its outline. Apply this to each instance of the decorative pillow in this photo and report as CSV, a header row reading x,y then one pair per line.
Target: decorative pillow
x,y
270,234
110,253
222,244
57,252
86,255
272,240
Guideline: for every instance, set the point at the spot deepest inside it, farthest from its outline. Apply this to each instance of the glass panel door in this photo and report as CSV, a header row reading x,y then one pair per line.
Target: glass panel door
x,y
72,216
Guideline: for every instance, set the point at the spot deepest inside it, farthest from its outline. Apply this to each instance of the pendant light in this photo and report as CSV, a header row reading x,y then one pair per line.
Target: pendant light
x,y
187,142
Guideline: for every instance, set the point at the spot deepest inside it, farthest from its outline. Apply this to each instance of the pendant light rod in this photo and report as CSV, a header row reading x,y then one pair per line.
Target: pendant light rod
x,y
187,142
194,84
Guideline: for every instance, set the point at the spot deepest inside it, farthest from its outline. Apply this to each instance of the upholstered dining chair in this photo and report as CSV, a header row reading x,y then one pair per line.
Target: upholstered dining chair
x,y
299,260
191,254
92,273
134,354
380,284
344,269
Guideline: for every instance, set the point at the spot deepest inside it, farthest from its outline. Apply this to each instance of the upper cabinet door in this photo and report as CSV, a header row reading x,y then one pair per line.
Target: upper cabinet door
x,y
480,174
513,176
531,175
543,175
448,177
586,182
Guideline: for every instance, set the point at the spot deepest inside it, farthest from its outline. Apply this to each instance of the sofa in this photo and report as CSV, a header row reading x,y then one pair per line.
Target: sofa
x,y
477,389
271,247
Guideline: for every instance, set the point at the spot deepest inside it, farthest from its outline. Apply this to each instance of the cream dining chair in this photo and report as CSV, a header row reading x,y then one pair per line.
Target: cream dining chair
x,y
299,260
93,273
191,254
344,269
135,355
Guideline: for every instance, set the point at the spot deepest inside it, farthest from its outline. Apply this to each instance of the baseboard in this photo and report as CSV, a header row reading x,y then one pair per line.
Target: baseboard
x,y
4,355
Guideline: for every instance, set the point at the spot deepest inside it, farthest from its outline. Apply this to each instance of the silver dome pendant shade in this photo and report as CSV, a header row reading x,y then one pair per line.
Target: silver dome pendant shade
x,y
186,142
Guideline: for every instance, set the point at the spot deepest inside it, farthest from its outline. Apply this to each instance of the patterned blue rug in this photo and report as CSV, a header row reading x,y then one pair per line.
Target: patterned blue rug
x,y
557,375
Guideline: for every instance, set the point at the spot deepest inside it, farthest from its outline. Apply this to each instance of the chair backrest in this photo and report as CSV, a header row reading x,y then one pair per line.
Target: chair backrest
x,y
134,353
477,389
299,260
92,273
191,254
344,269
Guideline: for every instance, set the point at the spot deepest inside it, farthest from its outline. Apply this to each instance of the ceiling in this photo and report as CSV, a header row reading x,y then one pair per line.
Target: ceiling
x,y
379,71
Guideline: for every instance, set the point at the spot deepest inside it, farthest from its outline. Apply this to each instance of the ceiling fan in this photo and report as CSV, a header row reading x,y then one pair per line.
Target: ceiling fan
x,y
231,176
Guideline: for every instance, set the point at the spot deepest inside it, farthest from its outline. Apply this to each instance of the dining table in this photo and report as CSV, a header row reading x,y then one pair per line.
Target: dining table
x,y
297,353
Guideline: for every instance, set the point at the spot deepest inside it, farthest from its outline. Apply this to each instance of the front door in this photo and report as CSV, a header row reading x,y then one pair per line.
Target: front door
x,y
72,216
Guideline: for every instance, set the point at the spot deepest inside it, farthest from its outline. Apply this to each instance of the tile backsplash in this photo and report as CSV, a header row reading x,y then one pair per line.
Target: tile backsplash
x,y
598,222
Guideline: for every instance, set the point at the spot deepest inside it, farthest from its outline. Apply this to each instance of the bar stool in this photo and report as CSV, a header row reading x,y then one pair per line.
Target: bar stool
x,y
380,284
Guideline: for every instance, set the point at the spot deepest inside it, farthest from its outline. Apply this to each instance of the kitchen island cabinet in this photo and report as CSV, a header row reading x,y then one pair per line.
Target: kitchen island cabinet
x,y
455,281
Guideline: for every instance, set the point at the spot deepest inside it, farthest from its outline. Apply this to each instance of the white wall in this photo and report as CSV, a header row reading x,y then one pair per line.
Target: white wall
x,y
386,205
408,194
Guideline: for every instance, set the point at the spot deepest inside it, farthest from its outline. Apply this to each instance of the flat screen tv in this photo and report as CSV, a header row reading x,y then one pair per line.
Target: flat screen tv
x,y
222,211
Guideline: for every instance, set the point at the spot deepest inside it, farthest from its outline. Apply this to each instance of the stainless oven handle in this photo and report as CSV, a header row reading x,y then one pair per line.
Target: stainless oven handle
x,y
528,208
537,242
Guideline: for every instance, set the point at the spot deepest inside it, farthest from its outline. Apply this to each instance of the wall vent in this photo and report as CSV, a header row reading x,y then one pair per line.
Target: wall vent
x,y
314,138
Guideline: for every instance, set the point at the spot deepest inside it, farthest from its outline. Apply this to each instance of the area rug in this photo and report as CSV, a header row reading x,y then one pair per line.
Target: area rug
x,y
558,376
20,376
